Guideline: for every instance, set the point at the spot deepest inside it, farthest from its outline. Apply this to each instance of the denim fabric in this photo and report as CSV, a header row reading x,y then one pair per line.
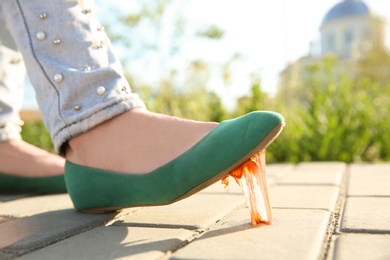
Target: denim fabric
x,y
77,78
12,77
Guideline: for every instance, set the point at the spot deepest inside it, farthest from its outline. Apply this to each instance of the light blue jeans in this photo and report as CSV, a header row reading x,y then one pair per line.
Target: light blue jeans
x,y
12,75
77,78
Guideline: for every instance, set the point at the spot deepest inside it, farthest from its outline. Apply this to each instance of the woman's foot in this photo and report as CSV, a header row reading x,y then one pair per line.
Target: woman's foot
x,y
20,158
140,142
137,141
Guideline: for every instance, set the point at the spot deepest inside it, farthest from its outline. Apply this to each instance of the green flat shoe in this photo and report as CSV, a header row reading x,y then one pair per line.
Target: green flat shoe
x,y
225,148
20,184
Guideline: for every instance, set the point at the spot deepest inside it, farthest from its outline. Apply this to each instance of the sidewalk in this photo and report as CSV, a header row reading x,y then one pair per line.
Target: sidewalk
x,y
321,211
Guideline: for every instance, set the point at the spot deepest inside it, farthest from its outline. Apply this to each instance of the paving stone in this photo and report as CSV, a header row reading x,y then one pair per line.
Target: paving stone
x,y
306,197
33,205
324,173
295,234
10,197
232,188
369,180
196,212
28,233
114,242
4,256
362,246
275,171
5,219
302,197
321,166
366,215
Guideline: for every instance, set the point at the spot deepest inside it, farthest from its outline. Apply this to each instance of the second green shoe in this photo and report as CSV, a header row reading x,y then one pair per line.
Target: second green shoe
x,y
21,184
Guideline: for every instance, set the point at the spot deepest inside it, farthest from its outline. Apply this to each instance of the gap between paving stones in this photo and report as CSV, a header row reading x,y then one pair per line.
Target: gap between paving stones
x,y
367,196
17,252
336,217
365,231
165,253
306,184
152,225
195,231
200,232
302,208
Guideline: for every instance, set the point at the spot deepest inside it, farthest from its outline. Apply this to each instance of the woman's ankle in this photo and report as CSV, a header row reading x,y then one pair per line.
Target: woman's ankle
x,y
137,141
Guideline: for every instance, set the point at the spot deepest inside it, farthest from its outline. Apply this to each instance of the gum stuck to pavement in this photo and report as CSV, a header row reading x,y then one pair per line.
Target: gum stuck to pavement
x,y
252,178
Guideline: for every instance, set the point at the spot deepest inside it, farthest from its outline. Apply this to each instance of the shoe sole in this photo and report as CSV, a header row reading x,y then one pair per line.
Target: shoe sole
x,y
272,135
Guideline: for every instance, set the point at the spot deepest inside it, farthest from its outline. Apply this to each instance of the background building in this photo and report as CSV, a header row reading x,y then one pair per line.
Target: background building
x,y
349,31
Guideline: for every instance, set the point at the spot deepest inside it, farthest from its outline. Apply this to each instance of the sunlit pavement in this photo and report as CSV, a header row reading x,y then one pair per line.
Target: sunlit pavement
x,y
324,210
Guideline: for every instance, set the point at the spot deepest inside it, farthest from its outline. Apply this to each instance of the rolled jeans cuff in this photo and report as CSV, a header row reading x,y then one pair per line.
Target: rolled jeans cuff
x,y
110,110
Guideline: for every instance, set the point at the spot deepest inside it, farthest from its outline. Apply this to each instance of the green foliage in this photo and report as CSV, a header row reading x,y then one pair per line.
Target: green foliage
x,y
35,133
255,100
211,32
338,118
193,101
341,117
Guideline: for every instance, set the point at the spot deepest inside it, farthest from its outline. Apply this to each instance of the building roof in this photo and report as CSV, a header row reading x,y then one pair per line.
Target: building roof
x,y
346,8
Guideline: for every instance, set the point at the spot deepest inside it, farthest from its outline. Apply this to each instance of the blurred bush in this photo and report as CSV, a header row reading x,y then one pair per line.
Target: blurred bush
x,y
339,116
336,117
34,132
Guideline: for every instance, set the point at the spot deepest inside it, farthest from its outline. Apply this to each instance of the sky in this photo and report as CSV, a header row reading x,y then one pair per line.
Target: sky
x,y
269,35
